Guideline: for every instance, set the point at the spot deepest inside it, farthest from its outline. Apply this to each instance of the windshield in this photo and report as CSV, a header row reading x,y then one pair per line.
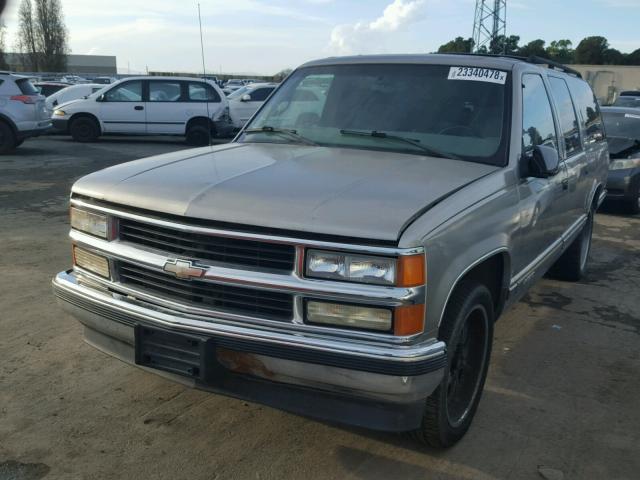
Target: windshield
x,y
432,107
629,101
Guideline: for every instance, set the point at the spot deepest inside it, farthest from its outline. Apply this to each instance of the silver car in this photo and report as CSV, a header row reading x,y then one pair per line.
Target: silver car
x,y
346,258
23,112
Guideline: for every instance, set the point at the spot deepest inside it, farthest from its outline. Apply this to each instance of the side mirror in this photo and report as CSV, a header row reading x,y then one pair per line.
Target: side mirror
x,y
100,98
245,98
55,103
545,162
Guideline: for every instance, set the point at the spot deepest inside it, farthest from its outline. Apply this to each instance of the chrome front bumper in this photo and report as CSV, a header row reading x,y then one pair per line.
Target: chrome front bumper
x,y
366,379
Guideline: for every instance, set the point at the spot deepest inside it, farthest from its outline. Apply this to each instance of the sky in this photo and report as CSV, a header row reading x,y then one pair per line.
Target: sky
x,y
266,36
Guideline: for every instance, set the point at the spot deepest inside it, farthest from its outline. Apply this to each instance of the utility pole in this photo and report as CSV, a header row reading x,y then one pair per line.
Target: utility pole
x,y
490,22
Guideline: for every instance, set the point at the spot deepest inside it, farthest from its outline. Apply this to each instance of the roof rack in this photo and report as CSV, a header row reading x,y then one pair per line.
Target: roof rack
x,y
534,59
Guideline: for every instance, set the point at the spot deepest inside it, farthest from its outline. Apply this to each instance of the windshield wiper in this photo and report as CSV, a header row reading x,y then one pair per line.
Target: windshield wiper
x,y
416,143
293,134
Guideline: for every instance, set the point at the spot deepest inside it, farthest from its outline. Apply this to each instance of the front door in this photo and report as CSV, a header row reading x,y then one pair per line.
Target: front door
x,y
543,201
122,109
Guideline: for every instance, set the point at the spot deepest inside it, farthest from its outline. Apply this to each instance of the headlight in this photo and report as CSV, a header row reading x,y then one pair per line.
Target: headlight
x,y
59,113
625,164
90,261
405,271
89,222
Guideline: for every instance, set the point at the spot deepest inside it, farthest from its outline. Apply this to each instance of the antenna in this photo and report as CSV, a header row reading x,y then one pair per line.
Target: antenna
x,y
204,74
490,22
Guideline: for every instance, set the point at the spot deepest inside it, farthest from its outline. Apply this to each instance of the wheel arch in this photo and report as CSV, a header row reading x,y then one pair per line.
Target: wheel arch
x,y
493,270
593,201
199,120
4,118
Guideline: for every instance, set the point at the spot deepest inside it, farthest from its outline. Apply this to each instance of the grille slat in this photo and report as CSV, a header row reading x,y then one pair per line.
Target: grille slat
x,y
200,246
275,305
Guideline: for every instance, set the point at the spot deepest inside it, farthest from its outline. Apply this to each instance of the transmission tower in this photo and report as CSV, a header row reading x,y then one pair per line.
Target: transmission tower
x,y
490,22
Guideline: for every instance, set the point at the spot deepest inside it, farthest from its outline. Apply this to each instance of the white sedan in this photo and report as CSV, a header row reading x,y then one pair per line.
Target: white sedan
x,y
72,92
244,102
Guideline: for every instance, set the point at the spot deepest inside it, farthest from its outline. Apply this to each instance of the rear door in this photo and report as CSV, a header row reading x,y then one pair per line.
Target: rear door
x,y
122,109
573,154
166,107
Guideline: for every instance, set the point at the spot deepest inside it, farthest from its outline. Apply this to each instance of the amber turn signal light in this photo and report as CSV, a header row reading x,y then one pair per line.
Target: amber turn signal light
x,y
408,320
411,271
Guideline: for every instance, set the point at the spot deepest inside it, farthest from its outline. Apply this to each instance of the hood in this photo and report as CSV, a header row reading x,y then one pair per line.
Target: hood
x,y
347,192
62,106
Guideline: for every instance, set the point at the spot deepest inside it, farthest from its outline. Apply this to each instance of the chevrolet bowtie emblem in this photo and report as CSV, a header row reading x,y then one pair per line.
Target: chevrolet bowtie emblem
x,y
184,269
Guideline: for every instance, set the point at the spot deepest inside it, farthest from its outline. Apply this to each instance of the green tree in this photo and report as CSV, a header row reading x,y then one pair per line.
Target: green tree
x,y
458,45
592,50
533,48
506,45
613,57
633,58
560,51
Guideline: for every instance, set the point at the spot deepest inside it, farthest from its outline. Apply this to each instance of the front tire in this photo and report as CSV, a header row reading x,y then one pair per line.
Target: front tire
x,y
84,129
7,139
467,329
198,136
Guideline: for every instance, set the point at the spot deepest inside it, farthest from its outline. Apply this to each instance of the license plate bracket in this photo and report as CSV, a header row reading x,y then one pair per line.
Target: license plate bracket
x,y
182,354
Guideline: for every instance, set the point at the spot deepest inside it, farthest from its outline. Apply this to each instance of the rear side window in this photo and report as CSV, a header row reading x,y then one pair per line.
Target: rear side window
x,y
164,91
569,125
26,87
538,127
587,105
201,92
260,94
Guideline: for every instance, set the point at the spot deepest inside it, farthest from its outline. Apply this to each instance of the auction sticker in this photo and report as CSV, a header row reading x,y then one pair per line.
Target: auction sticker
x,y
477,74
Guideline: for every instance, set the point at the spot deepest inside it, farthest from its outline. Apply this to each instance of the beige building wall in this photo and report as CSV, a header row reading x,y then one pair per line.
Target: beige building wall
x,y
608,81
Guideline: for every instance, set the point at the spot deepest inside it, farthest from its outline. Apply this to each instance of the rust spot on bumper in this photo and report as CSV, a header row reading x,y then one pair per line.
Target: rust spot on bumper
x,y
241,362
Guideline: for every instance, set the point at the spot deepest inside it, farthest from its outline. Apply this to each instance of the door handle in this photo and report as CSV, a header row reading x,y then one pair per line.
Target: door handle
x,y
565,184
138,107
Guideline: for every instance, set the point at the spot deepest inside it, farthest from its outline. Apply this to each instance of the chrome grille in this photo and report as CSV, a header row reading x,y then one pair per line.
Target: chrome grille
x,y
246,253
239,300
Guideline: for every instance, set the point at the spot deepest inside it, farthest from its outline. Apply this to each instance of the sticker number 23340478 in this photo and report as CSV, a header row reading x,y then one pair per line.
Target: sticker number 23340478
x,y
477,74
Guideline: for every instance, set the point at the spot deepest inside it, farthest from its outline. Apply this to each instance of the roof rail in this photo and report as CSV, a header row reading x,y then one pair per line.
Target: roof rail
x,y
534,59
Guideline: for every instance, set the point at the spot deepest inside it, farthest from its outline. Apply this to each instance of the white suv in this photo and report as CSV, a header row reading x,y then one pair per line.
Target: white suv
x,y
149,106
23,112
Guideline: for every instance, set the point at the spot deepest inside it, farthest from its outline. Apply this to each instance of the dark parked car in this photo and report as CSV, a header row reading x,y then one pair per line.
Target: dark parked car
x,y
623,132
49,88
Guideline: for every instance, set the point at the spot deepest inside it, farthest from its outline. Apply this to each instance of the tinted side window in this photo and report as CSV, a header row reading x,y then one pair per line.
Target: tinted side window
x,y
568,120
201,92
587,105
261,94
538,127
127,92
164,91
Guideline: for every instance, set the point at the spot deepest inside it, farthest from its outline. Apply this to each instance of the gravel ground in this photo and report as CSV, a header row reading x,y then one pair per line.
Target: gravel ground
x,y
560,402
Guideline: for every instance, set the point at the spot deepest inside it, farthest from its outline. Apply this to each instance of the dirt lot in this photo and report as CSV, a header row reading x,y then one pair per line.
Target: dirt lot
x,y
561,399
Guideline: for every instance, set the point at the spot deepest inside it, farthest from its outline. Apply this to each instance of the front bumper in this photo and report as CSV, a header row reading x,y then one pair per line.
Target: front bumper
x,y
61,124
376,386
620,183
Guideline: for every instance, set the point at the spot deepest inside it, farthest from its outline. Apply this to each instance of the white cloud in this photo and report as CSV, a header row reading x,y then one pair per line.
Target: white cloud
x,y
365,37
